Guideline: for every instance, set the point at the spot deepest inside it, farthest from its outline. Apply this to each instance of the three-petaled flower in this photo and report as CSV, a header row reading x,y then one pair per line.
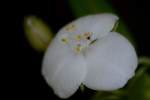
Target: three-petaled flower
x,y
86,51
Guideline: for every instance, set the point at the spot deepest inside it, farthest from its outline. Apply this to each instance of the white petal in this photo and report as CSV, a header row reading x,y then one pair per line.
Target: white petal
x,y
62,69
111,63
99,24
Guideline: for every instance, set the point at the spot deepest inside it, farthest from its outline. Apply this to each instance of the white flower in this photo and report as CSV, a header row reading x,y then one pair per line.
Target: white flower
x,y
87,52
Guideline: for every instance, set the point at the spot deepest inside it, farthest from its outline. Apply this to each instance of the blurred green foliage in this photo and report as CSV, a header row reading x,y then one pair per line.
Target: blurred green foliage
x,y
140,89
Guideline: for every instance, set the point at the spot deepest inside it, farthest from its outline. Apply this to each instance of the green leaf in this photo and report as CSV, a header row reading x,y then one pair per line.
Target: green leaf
x,y
140,89
112,95
37,32
86,7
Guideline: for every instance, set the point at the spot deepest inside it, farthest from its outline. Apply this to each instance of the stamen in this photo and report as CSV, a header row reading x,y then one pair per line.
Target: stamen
x,y
70,28
78,37
64,40
92,42
87,35
88,38
79,42
78,48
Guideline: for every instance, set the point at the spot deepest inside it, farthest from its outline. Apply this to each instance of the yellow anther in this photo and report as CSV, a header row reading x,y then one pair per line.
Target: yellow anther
x,y
64,40
78,48
87,35
70,28
78,37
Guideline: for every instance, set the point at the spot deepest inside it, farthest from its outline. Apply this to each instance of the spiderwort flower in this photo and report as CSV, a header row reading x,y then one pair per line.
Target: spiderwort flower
x,y
86,51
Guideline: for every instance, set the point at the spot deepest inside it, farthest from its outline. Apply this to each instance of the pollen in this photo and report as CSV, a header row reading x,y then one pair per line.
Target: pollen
x,y
87,35
64,40
78,48
70,28
78,37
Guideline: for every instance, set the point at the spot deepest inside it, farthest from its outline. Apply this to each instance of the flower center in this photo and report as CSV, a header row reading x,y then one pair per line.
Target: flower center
x,y
78,42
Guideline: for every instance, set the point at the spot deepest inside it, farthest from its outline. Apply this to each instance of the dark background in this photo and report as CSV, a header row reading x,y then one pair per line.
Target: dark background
x,y
23,64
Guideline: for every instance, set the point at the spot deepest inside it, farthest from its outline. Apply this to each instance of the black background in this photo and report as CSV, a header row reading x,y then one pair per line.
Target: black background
x,y
23,64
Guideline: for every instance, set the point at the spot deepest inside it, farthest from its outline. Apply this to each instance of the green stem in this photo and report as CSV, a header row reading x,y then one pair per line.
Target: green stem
x,y
82,88
144,60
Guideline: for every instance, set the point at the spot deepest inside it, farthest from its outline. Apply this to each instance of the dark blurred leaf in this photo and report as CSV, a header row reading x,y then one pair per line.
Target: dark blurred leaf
x,y
85,7
112,95
139,87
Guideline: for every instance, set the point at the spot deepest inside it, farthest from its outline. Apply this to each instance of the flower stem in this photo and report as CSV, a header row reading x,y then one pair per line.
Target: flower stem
x,y
82,88
144,60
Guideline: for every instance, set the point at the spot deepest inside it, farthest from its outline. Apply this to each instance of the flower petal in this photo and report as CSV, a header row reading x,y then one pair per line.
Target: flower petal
x,y
111,63
62,69
99,24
